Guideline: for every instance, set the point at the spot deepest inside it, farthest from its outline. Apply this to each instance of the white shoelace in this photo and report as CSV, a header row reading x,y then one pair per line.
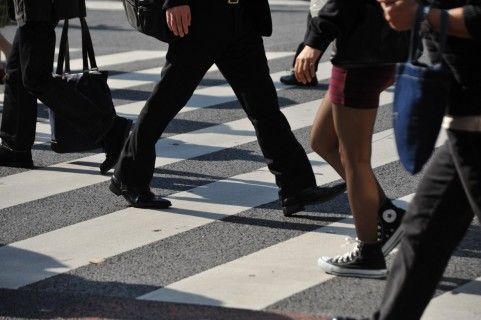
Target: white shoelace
x,y
351,255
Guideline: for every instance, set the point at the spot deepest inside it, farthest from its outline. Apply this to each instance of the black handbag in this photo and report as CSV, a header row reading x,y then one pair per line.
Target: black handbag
x,y
91,83
148,17
370,41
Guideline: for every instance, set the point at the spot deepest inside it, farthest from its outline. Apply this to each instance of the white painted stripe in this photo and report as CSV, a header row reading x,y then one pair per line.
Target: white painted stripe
x,y
289,3
63,177
147,76
105,5
260,279
202,97
463,302
71,50
104,61
215,95
210,96
117,5
71,247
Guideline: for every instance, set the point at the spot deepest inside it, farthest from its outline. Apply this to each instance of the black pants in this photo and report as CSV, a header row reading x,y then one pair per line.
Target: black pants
x,y
220,34
441,212
29,76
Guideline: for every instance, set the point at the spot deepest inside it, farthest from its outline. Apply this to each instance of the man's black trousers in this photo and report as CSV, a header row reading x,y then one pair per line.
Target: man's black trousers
x,y
29,76
220,34
446,200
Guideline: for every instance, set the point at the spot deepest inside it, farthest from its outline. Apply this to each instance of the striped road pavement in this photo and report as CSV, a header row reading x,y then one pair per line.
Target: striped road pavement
x,y
223,250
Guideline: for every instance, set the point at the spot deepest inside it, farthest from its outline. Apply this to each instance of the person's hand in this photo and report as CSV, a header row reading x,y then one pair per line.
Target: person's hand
x,y
400,14
305,67
178,20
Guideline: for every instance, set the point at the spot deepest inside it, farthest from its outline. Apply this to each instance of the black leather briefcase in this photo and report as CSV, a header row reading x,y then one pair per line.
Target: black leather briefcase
x,y
148,17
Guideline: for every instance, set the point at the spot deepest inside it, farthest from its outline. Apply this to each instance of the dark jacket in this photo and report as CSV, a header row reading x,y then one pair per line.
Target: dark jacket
x,y
336,18
363,37
259,10
463,57
47,10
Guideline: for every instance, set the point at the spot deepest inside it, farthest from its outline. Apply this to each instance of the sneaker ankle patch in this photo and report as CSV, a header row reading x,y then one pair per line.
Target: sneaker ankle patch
x,y
389,215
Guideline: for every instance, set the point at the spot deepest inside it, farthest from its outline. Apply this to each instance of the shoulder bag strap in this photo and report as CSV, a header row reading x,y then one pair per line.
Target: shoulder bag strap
x,y
88,54
63,54
416,38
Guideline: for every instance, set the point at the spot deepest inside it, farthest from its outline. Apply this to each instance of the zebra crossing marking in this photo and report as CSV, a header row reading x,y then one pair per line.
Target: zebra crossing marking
x,y
147,76
109,60
74,246
203,97
104,5
68,176
117,5
264,277
462,302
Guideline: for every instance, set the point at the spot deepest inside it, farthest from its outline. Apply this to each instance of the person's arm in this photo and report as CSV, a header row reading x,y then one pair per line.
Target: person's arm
x,y
178,16
334,19
464,22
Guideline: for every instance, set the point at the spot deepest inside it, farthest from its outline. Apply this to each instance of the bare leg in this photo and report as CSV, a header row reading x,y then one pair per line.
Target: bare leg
x,y
324,140
355,128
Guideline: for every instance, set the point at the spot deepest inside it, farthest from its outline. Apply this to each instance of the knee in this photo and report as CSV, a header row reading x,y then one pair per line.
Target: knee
x,y
353,161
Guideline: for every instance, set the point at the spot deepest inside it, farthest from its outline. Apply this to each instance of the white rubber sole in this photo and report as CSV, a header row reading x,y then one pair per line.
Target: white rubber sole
x,y
329,268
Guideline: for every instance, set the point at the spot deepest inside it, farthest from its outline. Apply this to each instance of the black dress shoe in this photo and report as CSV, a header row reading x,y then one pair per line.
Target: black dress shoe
x,y
143,199
114,142
291,80
296,203
15,159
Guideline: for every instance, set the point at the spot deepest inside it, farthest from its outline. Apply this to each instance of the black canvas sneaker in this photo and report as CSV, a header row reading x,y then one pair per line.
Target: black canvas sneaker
x,y
389,233
364,261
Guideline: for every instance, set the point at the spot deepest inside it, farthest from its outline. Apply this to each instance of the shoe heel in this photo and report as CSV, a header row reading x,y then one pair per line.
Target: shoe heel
x,y
290,210
115,189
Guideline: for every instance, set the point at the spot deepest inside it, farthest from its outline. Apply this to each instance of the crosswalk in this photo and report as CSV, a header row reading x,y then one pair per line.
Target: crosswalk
x,y
52,256
117,5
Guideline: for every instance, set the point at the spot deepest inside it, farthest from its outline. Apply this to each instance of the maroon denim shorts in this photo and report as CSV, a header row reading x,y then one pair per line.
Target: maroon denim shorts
x,y
360,87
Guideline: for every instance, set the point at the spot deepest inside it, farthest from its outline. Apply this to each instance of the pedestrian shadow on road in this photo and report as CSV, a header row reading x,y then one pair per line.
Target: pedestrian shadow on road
x,y
19,267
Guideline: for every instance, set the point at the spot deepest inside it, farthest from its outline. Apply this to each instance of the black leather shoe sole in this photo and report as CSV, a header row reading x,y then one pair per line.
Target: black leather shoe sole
x,y
17,164
291,80
156,203
297,206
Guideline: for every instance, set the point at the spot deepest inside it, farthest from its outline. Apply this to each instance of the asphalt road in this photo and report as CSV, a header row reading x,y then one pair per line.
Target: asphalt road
x,y
69,248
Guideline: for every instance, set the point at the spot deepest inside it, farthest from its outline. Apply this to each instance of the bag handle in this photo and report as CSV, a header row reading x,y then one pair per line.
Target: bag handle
x,y
416,39
64,52
88,54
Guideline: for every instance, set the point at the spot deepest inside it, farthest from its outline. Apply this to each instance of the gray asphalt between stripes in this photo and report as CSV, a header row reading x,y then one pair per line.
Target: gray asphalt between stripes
x,y
29,219
147,268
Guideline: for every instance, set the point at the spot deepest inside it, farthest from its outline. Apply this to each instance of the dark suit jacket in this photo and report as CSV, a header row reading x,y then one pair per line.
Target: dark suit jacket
x,y
259,10
47,10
